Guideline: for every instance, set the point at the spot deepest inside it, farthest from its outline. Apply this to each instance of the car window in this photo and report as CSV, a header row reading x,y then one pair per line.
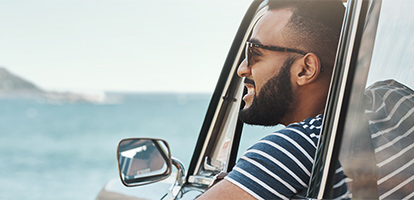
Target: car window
x,y
378,141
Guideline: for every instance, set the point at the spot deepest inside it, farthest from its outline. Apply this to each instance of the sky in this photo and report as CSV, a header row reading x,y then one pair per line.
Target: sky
x,y
124,45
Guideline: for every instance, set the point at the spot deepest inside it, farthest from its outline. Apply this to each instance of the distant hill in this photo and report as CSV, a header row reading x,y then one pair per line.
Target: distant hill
x,y
13,86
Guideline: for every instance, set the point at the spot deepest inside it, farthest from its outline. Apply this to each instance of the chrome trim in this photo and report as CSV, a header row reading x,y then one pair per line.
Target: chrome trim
x,y
202,180
180,171
175,189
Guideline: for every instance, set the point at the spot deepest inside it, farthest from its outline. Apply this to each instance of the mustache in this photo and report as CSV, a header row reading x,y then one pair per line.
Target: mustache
x,y
249,81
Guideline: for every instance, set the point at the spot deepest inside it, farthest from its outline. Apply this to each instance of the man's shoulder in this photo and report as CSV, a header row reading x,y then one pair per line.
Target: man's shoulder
x,y
309,125
287,154
307,130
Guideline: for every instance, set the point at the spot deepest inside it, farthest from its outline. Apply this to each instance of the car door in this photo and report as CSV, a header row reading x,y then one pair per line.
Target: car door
x,y
369,121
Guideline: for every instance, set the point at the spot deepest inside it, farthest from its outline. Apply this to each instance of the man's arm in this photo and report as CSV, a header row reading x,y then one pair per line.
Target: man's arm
x,y
225,190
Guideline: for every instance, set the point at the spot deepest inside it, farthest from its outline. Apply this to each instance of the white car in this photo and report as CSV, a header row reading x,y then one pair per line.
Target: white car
x,y
368,123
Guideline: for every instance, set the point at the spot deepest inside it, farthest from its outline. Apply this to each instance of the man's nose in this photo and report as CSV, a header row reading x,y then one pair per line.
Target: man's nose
x,y
243,70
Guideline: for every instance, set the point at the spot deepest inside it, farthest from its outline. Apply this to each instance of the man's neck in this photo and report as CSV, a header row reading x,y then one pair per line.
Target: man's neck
x,y
307,105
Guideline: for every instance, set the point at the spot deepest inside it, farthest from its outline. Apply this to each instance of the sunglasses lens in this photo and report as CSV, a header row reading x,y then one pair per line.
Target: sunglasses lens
x,y
248,54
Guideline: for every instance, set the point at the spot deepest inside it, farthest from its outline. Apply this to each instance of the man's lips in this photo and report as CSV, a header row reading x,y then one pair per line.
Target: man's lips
x,y
250,88
249,82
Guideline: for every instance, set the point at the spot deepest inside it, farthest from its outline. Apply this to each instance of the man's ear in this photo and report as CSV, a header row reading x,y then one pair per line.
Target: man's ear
x,y
308,69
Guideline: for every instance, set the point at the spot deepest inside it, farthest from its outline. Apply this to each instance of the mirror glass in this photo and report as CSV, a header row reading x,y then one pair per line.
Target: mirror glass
x,y
142,161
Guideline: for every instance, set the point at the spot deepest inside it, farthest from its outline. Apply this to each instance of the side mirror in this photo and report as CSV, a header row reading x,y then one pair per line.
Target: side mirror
x,y
143,160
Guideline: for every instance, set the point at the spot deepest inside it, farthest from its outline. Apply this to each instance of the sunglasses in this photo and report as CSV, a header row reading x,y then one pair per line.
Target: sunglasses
x,y
250,46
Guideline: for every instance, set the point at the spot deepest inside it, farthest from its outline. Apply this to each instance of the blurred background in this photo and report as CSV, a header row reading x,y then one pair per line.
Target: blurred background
x,y
76,77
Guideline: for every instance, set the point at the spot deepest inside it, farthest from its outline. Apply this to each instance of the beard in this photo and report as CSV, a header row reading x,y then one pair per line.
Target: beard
x,y
270,106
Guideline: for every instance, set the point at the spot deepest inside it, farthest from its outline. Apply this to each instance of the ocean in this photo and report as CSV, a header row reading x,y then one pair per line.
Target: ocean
x,y
68,150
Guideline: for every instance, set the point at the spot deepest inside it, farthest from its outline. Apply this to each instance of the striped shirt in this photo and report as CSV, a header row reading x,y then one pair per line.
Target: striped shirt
x,y
279,165
391,122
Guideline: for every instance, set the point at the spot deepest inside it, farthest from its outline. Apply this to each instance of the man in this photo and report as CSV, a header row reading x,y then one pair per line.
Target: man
x,y
287,71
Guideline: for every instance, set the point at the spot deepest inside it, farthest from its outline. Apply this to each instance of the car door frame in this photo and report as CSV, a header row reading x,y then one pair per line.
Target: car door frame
x,y
224,94
351,68
360,14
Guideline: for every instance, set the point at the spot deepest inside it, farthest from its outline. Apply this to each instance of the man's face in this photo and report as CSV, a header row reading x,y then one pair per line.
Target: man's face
x,y
268,74
271,105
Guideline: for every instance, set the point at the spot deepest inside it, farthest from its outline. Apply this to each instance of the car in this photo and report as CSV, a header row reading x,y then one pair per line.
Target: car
x,y
368,124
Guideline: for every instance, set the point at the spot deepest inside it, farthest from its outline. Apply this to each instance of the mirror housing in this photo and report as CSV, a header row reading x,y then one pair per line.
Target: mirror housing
x,y
143,160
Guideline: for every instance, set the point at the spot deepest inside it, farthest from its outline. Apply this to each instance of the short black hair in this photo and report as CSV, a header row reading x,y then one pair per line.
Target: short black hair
x,y
315,24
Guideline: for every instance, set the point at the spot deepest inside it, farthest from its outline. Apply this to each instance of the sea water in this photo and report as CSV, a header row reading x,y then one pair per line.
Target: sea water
x,y
68,150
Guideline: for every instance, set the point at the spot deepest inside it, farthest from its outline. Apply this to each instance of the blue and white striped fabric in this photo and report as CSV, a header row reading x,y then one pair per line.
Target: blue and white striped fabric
x,y
391,122
279,165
